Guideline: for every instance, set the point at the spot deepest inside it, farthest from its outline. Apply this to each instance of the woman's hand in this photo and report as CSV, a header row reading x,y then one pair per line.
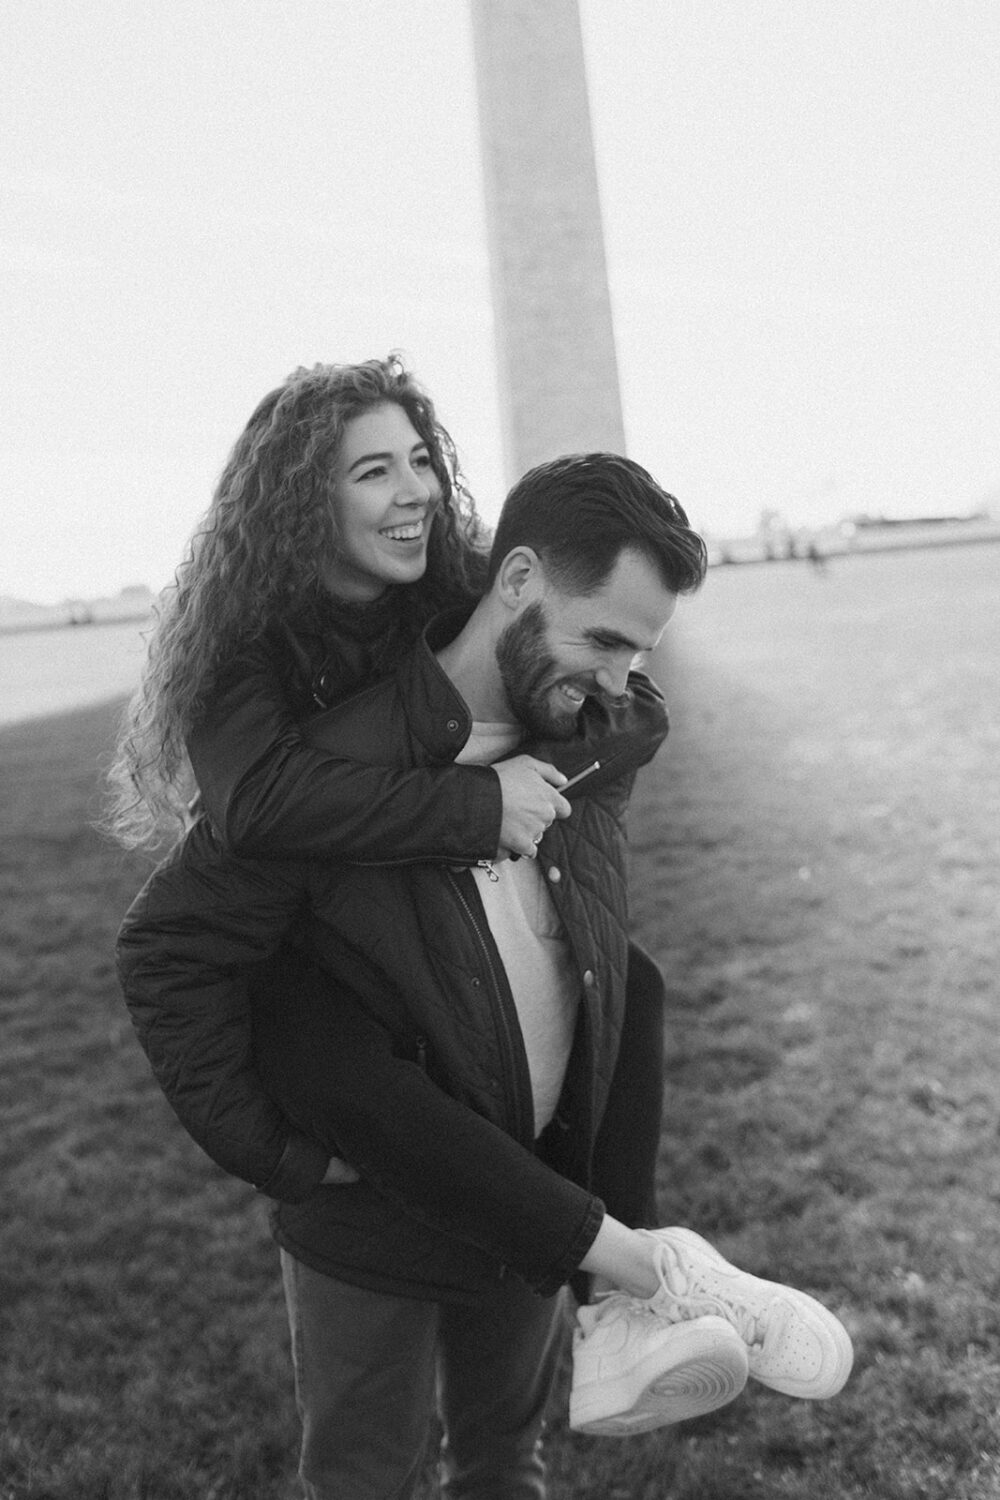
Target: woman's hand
x,y
531,801
339,1173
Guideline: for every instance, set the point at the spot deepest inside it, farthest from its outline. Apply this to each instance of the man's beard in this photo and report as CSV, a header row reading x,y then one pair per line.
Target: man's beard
x,y
529,673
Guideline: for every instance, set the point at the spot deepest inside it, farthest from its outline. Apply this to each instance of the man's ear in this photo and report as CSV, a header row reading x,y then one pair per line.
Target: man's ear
x,y
520,578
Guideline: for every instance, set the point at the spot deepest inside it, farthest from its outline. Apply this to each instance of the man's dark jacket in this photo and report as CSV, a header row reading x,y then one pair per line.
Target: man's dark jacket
x,y
383,1026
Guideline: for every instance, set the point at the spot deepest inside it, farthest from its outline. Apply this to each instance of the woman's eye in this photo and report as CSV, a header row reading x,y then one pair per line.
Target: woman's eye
x,y
375,473
422,461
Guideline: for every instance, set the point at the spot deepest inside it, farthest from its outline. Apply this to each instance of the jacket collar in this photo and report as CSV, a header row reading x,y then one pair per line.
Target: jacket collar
x,y
622,738
437,713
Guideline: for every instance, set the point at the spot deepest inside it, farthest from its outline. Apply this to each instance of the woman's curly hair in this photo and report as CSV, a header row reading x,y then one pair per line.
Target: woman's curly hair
x,y
259,557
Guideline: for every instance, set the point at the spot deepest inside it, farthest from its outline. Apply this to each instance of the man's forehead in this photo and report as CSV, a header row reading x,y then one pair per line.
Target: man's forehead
x,y
633,603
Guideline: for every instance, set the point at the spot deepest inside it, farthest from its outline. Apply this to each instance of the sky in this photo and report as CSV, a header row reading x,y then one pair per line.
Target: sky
x,y
802,224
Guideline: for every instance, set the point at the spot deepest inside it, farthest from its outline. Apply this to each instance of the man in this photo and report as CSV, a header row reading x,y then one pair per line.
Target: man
x,y
450,1036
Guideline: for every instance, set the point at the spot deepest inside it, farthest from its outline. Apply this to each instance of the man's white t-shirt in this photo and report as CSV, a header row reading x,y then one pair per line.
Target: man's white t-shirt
x,y
532,944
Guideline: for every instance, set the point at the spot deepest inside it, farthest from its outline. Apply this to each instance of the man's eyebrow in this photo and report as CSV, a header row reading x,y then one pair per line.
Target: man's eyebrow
x,y
607,637
370,458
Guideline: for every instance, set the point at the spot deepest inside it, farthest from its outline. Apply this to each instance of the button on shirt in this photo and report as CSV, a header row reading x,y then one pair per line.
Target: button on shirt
x,y
529,935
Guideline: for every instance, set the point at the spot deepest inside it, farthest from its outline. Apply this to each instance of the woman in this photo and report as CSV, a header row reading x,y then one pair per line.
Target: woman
x,y
341,524
257,617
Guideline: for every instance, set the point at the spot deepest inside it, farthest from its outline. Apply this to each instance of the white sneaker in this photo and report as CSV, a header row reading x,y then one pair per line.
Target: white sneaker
x,y
793,1343
634,1370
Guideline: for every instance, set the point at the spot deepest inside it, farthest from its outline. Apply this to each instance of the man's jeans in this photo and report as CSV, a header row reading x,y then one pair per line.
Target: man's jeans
x,y
367,1366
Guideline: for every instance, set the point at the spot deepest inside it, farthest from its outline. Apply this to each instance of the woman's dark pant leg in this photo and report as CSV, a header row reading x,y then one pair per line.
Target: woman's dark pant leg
x,y
628,1141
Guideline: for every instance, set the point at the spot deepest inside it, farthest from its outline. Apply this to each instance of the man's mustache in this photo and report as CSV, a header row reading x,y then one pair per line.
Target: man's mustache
x,y
608,700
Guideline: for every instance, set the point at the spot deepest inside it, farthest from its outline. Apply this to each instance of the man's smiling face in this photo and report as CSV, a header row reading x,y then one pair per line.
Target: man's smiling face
x,y
565,647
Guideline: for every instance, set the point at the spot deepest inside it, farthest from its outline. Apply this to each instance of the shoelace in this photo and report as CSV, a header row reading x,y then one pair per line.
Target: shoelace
x,y
607,1305
693,1301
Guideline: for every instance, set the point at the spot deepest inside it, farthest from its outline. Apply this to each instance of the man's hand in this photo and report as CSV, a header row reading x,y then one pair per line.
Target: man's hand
x,y
531,801
339,1173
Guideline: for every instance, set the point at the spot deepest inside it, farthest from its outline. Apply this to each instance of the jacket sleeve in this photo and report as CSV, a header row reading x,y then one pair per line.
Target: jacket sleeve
x,y
182,954
272,795
438,1160
620,737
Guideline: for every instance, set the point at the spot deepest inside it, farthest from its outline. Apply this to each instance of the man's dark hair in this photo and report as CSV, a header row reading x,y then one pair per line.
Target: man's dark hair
x,y
581,511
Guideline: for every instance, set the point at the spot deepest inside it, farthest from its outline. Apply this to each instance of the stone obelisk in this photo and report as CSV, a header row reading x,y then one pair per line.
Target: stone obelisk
x,y
558,373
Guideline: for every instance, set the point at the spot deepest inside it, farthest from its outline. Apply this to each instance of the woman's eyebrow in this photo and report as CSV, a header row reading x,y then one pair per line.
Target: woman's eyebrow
x,y
369,458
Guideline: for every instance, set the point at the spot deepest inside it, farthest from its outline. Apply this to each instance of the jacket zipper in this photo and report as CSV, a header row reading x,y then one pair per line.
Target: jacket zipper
x,y
512,1047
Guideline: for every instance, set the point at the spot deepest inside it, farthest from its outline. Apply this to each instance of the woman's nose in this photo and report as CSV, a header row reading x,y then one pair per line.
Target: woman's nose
x,y
417,488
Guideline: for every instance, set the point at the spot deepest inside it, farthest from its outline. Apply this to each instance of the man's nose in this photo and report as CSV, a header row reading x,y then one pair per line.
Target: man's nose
x,y
612,676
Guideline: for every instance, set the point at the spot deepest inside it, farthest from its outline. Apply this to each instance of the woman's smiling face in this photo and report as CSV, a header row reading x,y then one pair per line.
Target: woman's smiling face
x,y
383,498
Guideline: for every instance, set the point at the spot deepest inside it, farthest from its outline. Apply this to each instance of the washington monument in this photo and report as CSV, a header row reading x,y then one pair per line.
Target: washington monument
x,y
558,373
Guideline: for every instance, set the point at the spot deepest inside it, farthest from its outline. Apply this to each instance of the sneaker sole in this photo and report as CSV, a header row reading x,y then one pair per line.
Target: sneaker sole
x,y
696,1380
828,1330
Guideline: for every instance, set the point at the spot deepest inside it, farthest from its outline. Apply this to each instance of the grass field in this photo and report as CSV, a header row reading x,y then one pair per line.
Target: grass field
x,y
815,865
